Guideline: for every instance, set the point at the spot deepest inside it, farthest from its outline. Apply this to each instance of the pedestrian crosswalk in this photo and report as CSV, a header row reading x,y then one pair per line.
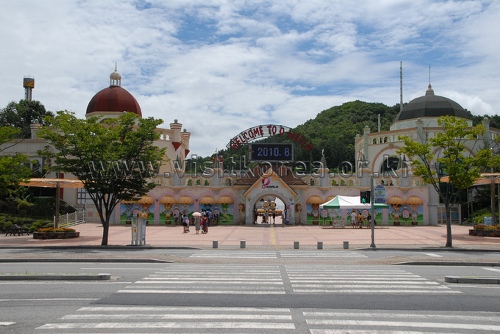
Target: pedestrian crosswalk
x,y
366,280
251,320
234,254
158,319
243,254
321,254
219,279
392,322
268,281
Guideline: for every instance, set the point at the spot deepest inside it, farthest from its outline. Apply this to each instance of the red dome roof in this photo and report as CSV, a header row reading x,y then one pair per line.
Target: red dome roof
x,y
114,98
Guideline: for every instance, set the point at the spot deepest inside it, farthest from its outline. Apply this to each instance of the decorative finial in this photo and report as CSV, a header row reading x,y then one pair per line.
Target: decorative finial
x,y
429,74
115,79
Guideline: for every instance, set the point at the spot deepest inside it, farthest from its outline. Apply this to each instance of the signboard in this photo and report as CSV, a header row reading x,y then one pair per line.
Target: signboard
x,y
264,131
379,195
271,152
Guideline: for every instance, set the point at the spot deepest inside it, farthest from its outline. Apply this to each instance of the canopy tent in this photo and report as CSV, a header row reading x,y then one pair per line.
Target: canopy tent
x,y
52,183
350,202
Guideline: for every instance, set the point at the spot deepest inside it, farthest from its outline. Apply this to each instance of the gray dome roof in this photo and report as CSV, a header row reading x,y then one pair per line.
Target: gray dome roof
x,y
431,105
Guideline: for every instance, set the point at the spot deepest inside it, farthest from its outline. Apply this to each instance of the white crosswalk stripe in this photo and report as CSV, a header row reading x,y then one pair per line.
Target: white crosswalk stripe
x,y
321,254
171,319
226,279
234,254
373,281
417,322
245,254
6,323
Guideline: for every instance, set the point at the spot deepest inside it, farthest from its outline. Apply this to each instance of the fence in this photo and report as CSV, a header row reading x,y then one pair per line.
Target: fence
x,y
71,219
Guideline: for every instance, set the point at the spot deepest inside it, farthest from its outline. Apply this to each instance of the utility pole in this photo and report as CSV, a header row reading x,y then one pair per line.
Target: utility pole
x,y
372,222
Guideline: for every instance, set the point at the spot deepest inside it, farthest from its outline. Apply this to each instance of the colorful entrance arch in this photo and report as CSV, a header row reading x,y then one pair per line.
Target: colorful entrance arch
x,y
268,130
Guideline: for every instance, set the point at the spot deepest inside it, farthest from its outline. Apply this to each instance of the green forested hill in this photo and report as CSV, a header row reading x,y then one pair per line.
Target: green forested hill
x,y
335,129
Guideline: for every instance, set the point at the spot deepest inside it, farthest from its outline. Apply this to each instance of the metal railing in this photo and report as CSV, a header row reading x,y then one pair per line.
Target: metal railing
x,y
71,219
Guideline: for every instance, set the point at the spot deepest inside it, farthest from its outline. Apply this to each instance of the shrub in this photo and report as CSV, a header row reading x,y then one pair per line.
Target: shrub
x,y
39,224
486,227
54,229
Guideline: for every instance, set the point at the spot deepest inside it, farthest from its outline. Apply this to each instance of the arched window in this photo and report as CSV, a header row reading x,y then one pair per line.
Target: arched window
x,y
389,166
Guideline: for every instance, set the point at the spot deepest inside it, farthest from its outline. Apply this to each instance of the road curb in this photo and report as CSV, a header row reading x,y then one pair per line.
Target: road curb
x,y
449,263
85,260
59,277
472,279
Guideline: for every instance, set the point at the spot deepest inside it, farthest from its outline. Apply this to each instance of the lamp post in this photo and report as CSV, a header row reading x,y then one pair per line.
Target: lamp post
x,y
493,211
372,192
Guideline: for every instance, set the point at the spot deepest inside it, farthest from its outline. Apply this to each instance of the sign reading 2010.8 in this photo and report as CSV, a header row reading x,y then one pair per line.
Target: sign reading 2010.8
x,y
271,152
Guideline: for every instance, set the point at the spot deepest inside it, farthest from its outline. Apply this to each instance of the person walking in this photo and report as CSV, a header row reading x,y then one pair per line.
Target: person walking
x,y
204,222
354,218
185,223
360,219
197,224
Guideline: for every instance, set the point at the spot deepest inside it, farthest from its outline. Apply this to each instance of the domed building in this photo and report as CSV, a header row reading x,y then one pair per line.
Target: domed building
x,y
428,108
112,100
392,173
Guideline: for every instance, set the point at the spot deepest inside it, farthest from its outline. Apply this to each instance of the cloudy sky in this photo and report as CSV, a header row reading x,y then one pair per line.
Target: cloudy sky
x,y
222,66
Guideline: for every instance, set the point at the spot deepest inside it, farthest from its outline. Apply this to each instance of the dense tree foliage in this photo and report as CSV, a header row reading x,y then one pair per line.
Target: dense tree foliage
x,y
21,114
13,168
334,130
115,158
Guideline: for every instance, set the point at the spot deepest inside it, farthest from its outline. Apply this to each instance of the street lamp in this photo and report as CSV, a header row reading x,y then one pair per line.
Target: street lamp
x,y
372,199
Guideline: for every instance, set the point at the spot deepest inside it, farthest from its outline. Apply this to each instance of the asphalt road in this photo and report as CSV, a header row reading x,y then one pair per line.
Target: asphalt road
x,y
211,291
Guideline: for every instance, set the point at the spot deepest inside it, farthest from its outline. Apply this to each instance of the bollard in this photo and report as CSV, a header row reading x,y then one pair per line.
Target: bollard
x,y
346,244
243,244
320,244
295,245
215,244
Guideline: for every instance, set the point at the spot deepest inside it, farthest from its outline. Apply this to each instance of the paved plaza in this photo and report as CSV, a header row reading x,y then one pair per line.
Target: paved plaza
x,y
271,237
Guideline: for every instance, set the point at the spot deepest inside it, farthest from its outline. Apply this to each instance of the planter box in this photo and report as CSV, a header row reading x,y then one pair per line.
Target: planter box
x,y
55,235
485,233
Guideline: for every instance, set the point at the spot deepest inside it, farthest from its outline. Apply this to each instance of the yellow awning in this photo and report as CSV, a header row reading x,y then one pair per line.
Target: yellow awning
x,y
225,200
314,200
167,200
185,200
395,200
207,200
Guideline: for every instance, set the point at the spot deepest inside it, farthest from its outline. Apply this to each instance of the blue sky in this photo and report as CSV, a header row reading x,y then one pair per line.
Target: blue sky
x,y
220,67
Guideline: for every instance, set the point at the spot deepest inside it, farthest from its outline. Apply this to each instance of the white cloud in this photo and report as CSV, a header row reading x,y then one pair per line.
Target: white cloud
x,y
222,66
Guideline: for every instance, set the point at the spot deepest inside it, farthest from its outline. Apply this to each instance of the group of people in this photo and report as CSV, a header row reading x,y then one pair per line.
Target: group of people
x,y
200,223
357,219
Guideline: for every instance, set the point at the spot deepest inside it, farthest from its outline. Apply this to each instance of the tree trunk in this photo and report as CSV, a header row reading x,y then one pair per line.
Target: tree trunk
x,y
105,232
449,242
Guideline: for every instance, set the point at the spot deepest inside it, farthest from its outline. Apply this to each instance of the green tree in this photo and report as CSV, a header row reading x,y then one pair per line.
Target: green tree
x,y
444,161
13,168
20,115
114,157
